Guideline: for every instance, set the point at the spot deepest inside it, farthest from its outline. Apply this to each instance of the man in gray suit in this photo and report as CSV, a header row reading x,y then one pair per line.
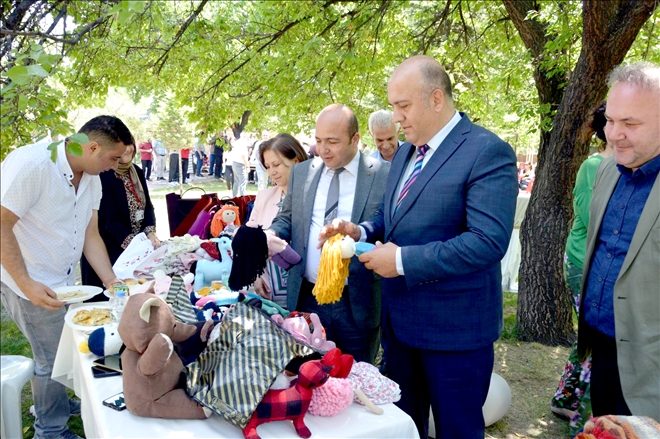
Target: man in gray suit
x,y
620,308
340,183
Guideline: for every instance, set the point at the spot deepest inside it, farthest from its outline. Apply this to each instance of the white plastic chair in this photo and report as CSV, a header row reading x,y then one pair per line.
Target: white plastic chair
x,y
15,372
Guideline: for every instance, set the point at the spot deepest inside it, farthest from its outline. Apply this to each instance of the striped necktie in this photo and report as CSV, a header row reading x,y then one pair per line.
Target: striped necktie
x,y
413,175
332,203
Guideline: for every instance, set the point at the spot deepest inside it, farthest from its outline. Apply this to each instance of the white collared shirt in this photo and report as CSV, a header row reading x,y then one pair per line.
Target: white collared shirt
x,y
433,144
53,215
347,184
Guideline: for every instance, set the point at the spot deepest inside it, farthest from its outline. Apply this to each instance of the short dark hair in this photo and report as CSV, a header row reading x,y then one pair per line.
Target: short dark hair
x,y
107,130
435,77
284,144
598,121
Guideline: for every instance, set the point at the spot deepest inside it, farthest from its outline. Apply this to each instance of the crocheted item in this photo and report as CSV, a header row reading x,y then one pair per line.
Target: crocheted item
x,y
379,389
331,398
620,427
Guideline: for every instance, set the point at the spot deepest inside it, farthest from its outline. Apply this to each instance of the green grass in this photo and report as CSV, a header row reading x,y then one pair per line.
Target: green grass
x,y
12,342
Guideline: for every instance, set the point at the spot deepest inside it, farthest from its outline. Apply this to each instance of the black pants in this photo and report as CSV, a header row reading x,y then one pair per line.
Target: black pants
x,y
606,394
174,167
184,170
146,167
217,172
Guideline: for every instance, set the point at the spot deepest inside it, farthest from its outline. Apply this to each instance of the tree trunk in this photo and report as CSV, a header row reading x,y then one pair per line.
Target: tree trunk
x,y
609,29
237,128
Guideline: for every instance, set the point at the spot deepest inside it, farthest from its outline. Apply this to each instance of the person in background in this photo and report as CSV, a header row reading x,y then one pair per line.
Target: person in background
x,y
125,211
199,156
240,165
255,159
445,221
572,398
161,159
46,224
146,156
277,155
619,322
385,134
185,157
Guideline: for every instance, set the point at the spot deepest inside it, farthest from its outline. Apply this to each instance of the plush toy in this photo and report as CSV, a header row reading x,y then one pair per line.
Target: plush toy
x,y
343,366
226,220
333,267
103,341
182,244
300,329
250,247
208,271
291,403
151,370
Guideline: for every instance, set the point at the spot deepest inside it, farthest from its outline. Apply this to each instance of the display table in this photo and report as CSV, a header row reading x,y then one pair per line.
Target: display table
x,y
73,369
511,260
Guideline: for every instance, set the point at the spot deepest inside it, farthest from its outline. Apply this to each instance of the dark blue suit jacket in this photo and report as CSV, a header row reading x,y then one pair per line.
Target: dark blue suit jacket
x,y
454,228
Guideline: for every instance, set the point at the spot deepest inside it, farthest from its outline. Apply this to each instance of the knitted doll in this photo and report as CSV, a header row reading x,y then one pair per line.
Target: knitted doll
x,y
333,268
226,220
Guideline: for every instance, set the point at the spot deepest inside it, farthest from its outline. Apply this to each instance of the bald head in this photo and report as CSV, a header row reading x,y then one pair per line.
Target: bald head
x,y
341,111
432,75
420,94
336,135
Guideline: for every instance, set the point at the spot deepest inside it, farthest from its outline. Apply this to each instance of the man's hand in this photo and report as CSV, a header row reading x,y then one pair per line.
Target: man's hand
x,y
40,295
262,289
154,239
381,260
107,283
339,226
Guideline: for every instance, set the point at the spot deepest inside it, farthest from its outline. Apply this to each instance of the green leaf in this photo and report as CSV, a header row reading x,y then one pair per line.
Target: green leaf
x,y
53,150
37,70
79,138
74,148
124,15
19,75
22,102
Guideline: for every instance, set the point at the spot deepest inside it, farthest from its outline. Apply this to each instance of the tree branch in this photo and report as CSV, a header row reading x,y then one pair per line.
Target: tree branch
x,y
160,62
78,35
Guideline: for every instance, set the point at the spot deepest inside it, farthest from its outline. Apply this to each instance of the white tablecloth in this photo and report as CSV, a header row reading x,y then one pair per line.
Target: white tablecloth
x,y
73,369
511,260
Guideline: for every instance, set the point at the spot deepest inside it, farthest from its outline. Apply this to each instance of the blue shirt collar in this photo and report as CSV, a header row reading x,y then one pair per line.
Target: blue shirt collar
x,y
651,167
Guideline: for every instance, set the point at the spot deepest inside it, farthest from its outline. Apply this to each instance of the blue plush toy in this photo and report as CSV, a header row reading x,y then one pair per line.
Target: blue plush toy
x,y
105,341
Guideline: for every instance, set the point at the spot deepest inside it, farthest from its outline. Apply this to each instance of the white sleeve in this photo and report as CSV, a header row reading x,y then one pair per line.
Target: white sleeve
x,y
21,185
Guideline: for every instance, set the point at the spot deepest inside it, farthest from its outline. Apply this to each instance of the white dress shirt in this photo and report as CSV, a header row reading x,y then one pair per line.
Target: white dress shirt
x,y
53,215
433,144
347,184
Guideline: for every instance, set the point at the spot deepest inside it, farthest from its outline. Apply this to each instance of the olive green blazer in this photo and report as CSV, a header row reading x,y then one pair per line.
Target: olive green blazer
x,y
636,297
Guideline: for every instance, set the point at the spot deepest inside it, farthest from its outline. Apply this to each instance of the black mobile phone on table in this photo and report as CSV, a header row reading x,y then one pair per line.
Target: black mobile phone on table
x,y
116,402
102,372
112,362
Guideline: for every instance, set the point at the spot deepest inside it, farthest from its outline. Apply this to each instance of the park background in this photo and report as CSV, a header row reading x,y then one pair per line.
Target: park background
x,y
528,70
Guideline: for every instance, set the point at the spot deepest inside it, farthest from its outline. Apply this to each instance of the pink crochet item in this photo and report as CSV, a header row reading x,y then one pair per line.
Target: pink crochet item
x,y
378,388
331,398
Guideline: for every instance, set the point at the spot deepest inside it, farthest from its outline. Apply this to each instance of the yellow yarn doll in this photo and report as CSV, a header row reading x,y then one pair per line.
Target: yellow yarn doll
x,y
333,268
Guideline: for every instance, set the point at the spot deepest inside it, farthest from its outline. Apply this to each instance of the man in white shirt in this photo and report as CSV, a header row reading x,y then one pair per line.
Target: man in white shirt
x,y
385,134
240,166
359,182
47,223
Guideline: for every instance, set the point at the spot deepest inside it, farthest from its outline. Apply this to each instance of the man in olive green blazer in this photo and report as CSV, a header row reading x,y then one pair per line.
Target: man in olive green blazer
x,y
621,211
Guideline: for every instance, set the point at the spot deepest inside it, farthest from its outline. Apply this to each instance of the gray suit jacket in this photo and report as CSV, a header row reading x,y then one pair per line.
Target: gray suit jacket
x,y
293,221
636,297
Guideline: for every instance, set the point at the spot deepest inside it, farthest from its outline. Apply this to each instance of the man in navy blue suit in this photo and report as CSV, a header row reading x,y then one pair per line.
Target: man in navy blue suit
x,y
446,220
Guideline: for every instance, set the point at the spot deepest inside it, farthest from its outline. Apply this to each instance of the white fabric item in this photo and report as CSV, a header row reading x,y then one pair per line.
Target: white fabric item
x,y
511,260
73,369
139,257
347,183
53,215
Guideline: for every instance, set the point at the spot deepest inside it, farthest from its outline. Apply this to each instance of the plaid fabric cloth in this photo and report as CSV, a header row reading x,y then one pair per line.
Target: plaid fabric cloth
x,y
235,371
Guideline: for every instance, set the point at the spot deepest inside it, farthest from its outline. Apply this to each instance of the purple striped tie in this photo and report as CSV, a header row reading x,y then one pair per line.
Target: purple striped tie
x,y
413,176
